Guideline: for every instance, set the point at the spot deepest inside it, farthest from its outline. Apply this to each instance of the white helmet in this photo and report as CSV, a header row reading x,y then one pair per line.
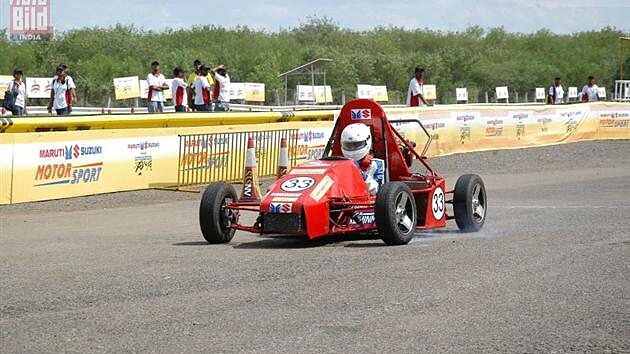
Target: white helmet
x,y
356,141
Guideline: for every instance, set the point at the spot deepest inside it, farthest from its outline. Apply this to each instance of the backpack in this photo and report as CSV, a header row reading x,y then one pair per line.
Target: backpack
x,y
9,98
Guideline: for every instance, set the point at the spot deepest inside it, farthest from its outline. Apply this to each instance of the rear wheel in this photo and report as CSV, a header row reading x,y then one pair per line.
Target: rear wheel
x,y
469,203
214,219
395,213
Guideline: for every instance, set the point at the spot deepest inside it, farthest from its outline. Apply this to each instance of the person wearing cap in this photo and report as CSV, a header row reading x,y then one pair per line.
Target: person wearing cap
x,y
202,91
157,84
17,89
62,93
221,93
191,82
590,91
556,92
414,94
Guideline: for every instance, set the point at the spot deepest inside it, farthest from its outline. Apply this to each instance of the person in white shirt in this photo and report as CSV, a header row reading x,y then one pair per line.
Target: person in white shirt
x,y
414,94
221,95
157,85
203,91
179,88
556,92
62,93
589,91
17,88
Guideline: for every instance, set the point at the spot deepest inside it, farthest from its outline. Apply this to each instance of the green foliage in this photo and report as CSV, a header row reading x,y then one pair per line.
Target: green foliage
x,y
475,58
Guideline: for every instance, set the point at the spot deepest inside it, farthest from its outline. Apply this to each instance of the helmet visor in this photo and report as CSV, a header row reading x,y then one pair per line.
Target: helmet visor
x,y
354,145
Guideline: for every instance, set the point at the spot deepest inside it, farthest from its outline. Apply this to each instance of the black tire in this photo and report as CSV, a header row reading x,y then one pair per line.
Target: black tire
x,y
389,214
215,221
468,198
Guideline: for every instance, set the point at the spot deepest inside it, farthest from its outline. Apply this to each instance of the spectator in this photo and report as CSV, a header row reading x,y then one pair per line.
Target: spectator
x,y
17,90
203,91
556,92
589,91
179,88
414,95
62,92
221,94
157,85
191,81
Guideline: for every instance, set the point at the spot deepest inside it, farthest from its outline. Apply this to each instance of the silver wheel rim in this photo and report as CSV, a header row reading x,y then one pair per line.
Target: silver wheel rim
x,y
478,204
404,213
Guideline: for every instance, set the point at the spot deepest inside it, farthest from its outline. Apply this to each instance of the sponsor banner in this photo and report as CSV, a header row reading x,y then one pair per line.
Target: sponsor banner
x,y
601,92
377,93
126,87
540,93
254,92
461,93
144,89
38,87
4,83
236,91
573,92
364,91
317,94
29,20
502,92
429,92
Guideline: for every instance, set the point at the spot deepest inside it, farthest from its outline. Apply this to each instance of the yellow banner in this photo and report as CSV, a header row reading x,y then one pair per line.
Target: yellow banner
x,y
126,87
254,92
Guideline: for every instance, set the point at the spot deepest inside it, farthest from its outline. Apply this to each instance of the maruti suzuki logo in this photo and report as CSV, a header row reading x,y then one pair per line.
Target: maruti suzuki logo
x,y
72,151
361,113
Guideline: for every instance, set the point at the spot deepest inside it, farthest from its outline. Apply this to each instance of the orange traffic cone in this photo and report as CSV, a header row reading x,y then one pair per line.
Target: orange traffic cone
x,y
251,187
283,158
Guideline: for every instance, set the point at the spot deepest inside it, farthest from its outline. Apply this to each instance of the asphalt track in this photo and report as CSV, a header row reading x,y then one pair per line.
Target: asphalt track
x,y
128,272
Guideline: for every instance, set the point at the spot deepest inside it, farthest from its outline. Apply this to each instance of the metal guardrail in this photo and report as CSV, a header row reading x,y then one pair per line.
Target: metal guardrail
x,y
206,158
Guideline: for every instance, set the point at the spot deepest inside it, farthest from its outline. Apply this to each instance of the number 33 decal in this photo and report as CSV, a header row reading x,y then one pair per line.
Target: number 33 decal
x,y
297,184
437,204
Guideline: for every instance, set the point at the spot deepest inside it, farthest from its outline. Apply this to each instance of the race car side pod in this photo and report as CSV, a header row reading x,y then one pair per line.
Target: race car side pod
x,y
251,187
283,158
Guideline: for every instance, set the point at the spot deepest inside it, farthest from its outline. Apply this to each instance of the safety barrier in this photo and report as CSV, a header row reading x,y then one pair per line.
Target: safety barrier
x,y
205,158
61,164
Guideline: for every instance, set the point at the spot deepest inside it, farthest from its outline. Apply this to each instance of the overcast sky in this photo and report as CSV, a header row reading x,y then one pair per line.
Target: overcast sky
x,y
564,16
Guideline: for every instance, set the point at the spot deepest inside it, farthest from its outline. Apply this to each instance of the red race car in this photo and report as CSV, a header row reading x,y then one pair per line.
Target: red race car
x,y
330,196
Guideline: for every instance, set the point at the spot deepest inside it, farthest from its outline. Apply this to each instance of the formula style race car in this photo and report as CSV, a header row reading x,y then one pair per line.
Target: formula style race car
x,y
330,197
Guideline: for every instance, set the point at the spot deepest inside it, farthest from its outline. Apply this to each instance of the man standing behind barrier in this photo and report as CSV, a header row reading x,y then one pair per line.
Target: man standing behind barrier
x,y
157,85
62,93
179,89
414,94
556,92
221,92
203,91
589,91
191,82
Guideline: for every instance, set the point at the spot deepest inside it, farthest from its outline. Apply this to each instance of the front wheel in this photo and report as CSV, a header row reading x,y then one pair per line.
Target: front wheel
x,y
469,203
214,219
395,213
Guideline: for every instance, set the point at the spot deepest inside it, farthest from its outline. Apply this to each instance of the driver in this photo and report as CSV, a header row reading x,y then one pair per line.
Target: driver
x,y
356,143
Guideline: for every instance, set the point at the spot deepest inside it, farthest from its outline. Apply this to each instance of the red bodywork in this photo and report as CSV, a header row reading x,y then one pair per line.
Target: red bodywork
x,y
329,196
